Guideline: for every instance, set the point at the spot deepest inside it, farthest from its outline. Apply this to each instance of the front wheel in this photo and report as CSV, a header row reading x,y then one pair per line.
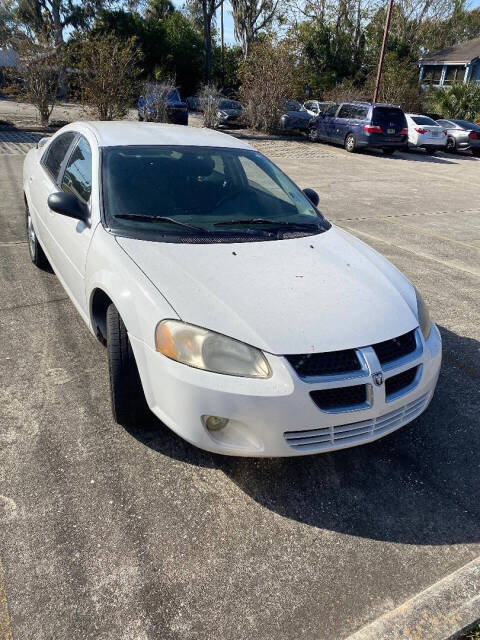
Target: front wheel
x,y
312,134
129,406
37,255
350,143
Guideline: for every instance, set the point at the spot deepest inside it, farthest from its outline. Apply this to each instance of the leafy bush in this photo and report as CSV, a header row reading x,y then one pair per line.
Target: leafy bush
x,y
108,81
37,76
268,79
209,102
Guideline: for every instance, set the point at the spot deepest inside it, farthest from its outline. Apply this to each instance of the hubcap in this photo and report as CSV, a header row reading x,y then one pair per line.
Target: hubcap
x,y
31,235
350,142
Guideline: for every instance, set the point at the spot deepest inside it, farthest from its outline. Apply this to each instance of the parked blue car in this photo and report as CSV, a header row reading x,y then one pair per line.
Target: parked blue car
x,y
360,125
177,109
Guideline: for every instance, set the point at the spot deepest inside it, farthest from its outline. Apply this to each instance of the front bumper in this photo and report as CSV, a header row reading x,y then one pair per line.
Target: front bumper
x,y
277,417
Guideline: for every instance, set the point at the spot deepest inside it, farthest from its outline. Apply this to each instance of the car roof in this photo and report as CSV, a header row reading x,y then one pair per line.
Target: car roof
x,y
126,133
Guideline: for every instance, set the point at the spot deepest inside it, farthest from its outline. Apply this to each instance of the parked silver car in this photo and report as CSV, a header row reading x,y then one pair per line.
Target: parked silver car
x,y
462,135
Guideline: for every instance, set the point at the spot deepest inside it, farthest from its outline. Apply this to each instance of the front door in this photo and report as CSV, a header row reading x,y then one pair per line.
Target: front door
x,y
67,240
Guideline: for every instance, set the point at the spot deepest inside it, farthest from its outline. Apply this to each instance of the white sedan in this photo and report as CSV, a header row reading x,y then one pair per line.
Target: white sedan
x,y
229,305
425,133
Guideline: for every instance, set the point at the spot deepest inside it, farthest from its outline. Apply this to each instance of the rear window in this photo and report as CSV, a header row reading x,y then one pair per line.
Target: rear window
x,y
466,125
425,120
388,116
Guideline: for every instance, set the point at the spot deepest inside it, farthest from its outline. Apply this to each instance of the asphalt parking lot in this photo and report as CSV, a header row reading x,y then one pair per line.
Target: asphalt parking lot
x,y
109,534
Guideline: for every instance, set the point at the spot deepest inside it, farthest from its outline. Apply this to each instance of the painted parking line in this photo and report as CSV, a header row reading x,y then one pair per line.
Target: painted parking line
x,y
426,232
17,142
5,628
376,238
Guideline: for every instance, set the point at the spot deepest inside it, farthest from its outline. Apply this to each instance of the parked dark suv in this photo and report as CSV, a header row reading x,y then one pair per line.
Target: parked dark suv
x,y
361,124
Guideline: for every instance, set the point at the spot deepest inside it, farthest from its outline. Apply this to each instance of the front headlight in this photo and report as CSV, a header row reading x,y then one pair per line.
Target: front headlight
x,y
208,350
423,315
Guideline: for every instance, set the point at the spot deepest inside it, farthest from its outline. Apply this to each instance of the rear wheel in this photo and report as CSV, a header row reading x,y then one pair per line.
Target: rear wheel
x,y
388,151
129,406
350,143
451,144
37,255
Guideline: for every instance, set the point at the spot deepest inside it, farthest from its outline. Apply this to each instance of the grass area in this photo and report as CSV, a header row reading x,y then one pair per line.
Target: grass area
x,y
474,634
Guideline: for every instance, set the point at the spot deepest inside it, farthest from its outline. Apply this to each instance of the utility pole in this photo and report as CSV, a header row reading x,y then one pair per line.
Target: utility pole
x,y
382,52
223,45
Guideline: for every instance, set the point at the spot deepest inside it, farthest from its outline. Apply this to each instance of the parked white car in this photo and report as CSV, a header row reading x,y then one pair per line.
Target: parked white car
x,y
425,133
246,321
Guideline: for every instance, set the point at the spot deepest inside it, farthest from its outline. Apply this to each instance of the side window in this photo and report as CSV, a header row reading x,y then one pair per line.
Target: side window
x,y
331,110
359,113
346,111
77,177
55,154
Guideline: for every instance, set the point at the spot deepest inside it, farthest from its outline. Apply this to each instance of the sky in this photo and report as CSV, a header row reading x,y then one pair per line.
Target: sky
x,y
228,19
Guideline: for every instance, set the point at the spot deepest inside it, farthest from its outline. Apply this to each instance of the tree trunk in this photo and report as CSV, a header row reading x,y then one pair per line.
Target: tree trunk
x,y
59,44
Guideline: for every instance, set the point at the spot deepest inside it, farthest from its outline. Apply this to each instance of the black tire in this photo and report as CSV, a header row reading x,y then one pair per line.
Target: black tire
x,y
129,406
312,134
350,143
451,145
140,118
37,255
389,151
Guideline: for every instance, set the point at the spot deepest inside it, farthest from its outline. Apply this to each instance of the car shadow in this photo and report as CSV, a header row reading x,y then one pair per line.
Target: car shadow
x,y
419,485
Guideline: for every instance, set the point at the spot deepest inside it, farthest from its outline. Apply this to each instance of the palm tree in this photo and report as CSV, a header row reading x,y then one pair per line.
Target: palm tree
x,y
458,101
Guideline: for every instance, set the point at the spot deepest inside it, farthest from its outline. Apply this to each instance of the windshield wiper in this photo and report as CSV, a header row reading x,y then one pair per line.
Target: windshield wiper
x,y
146,218
279,223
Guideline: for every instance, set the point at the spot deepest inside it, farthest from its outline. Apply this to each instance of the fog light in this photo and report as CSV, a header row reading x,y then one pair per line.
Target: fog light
x,y
214,423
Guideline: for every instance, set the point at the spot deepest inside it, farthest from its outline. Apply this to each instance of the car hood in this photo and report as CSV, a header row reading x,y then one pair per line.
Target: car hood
x,y
316,293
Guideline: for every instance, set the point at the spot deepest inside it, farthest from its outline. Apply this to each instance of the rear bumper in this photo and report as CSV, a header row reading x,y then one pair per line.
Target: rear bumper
x,y
378,141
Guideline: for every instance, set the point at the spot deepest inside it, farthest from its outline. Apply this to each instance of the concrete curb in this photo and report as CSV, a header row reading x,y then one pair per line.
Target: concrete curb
x,y
442,612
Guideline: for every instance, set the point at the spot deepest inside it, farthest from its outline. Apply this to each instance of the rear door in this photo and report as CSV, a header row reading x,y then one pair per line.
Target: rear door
x,y
391,120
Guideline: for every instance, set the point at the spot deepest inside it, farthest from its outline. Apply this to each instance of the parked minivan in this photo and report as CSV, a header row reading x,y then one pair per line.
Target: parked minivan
x,y
361,124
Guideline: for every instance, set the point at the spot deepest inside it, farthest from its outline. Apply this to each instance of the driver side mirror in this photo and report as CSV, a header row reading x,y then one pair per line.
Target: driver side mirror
x,y
66,204
312,195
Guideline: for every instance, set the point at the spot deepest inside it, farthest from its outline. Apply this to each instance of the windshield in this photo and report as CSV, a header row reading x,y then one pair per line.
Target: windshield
x,y
425,120
293,105
210,191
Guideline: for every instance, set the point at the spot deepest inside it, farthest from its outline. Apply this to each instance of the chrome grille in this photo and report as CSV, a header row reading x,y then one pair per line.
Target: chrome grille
x,y
355,432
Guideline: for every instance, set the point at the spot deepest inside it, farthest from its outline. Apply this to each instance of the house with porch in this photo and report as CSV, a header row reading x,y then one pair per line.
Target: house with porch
x,y
458,63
